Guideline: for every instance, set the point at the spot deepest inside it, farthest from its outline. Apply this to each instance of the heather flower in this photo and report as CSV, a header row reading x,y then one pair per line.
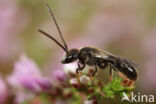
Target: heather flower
x,y
91,101
9,16
22,96
36,84
3,91
78,83
149,51
60,102
75,83
70,68
84,79
27,74
60,76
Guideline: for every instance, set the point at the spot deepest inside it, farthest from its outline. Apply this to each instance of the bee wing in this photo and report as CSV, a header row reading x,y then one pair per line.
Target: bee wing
x,y
125,66
103,54
108,56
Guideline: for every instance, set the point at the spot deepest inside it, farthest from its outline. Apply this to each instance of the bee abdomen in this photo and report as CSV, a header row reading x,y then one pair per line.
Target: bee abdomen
x,y
128,71
124,66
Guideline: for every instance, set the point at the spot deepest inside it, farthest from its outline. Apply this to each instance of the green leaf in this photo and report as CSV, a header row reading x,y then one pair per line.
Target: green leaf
x,y
115,88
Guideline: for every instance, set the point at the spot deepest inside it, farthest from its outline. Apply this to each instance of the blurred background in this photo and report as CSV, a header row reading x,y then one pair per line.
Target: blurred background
x,y
125,28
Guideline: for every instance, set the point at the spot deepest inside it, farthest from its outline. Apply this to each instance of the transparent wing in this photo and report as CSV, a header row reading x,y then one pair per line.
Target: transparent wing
x,y
111,57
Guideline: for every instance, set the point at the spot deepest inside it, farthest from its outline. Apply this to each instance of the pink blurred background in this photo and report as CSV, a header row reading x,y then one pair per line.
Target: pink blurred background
x,y
124,28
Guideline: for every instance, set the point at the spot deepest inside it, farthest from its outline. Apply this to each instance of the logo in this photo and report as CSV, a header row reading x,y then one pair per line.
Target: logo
x,y
137,97
125,97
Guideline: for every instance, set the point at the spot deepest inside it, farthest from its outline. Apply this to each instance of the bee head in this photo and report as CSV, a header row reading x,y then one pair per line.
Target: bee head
x,y
71,56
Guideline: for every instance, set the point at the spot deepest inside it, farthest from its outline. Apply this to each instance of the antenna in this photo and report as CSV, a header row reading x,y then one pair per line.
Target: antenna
x,y
46,34
57,26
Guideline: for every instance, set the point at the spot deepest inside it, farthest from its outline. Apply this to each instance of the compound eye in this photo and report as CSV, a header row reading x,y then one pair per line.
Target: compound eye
x,y
67,59
70,57
64,59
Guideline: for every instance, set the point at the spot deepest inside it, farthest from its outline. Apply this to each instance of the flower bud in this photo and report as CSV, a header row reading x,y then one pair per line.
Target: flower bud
x,y
36,84
28,75
91,101
60,76
74,82
44,83
70,68
3,92
84,79
22,96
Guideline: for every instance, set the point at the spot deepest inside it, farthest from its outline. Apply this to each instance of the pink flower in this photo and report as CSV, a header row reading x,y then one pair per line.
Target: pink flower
x,y
23,96
27,74
36,83
148,75
70,68
74,82
91,101
12,21
84,79
61,102
60,76
3,91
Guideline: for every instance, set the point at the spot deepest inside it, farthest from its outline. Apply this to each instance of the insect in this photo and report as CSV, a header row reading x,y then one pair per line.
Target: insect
x,y
95,58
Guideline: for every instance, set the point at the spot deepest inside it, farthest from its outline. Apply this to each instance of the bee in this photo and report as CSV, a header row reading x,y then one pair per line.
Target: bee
x,y
96,58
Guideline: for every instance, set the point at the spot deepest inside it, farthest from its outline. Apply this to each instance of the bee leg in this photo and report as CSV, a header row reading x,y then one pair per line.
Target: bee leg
x,y
131,83
92,75
110,74
120,74
95,71
80,68
127,82
77,75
